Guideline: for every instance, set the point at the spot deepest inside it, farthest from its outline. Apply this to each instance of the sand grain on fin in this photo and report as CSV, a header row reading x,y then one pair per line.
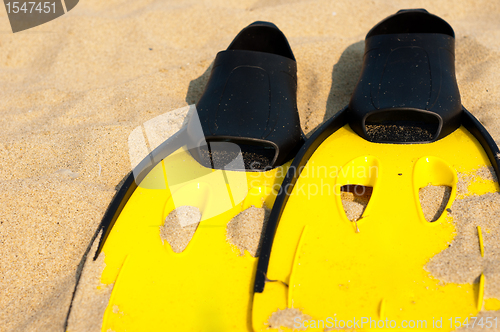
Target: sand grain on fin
x,y
287,318
180,226
245,229
433,200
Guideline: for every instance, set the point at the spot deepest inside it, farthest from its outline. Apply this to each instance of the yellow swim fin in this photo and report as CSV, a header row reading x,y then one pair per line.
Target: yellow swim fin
x,y
176,239
399,153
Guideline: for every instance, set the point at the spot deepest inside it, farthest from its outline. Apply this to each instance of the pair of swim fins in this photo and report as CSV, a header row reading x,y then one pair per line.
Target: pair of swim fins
x,y
180,239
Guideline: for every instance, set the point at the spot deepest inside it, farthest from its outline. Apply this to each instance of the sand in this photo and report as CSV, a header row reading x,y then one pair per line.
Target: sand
x,y
287,318
179,227
398,133
355,200
245,230
73,90
91,297
433,200
485,173
463,261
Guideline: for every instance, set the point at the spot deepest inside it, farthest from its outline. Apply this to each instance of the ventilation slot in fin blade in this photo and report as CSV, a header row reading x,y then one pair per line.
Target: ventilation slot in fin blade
x,y
355,198
245,230
180,226
433,200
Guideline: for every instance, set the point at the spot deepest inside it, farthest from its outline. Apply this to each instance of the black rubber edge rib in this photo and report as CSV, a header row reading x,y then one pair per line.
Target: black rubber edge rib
x,y
120,200
484,138
132,179
291,177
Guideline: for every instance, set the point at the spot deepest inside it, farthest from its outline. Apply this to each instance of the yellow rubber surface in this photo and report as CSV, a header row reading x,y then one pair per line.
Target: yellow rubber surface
x,y
208,286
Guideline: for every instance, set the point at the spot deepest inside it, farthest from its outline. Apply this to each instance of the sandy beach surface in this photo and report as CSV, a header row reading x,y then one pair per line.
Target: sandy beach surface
x,y
73,89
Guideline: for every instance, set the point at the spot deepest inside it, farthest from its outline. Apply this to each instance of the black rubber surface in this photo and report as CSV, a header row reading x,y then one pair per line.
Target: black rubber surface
x,y
408,75
251,99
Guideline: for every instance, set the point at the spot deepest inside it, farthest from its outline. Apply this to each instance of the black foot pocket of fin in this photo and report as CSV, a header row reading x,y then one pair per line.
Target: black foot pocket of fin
x,y
407,92
250,100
